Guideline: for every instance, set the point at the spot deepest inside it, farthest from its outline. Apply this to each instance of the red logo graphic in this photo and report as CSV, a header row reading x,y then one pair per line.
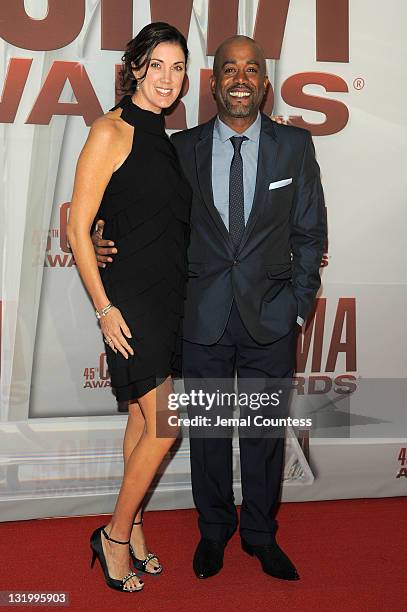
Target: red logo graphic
x,y
58,252
64,22
402,459
342,346
97,377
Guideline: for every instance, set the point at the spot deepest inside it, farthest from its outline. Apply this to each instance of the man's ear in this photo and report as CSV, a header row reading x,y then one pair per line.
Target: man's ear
x,y
212,84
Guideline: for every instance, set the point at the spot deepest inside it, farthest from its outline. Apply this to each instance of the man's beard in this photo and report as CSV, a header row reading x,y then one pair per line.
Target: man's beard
x,y
239,110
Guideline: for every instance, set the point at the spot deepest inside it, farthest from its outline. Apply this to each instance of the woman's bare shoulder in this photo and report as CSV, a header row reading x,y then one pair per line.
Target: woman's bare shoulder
x,y
109,131
107,126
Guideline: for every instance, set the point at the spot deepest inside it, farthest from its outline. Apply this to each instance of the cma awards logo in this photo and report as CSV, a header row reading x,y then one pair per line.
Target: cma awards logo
x,y
402,459
337,342
58,252
64,22
97,377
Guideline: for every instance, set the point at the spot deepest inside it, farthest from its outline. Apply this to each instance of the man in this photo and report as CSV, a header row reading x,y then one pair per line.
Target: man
x,y
258,230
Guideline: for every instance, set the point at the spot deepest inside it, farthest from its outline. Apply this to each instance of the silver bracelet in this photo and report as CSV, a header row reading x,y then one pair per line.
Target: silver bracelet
x,y
103,312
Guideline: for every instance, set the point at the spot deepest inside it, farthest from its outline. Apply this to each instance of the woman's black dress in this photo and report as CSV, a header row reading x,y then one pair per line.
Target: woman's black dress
x,y
146,208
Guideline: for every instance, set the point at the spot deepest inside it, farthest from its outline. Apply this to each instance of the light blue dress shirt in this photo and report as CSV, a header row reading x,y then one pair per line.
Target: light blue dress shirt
x,y
222,154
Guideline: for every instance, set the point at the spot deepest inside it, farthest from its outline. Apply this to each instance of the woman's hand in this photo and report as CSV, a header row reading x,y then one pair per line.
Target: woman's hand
x,y
115,331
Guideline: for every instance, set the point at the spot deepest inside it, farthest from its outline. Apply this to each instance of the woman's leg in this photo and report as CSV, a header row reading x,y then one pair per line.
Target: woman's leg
x,y
134,430
141,465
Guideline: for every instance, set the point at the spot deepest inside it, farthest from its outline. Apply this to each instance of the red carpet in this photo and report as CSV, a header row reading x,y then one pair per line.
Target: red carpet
x,y
351,555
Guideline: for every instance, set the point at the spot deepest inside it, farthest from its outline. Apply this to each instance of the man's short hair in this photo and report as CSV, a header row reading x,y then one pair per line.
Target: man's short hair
x,y
237,37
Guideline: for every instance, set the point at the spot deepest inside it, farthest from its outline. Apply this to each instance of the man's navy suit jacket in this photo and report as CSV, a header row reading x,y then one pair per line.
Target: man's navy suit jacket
x,y
274,275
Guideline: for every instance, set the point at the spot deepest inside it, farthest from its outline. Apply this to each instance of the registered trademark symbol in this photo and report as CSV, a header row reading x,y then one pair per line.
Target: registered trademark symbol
x,y
359,83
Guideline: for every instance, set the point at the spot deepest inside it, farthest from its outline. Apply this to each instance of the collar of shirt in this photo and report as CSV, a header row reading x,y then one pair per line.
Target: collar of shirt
x,y
223,132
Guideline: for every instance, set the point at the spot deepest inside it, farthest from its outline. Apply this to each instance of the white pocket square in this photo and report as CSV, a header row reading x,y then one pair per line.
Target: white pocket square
x,y
282,183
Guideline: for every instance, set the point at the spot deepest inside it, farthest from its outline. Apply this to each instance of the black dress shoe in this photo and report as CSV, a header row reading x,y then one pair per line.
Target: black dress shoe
x,y
208,558
273,560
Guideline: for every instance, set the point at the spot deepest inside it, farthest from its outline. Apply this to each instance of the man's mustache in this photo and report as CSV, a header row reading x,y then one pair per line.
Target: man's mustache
x,y
240,88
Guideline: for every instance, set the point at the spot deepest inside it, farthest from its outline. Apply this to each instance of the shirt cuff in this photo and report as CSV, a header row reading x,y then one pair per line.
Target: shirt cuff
x,y
300,321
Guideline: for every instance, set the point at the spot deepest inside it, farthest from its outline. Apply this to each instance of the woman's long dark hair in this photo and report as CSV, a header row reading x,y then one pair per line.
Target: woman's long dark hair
x,y
139,50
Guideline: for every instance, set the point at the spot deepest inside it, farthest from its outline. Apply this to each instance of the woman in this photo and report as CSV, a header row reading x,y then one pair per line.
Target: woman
x,y
129,175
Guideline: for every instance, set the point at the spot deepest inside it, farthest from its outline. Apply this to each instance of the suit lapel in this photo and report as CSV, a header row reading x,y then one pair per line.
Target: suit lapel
x,y
203,152
266,165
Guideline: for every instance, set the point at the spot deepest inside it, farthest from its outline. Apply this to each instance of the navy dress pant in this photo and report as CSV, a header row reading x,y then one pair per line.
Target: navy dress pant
x,y
261,457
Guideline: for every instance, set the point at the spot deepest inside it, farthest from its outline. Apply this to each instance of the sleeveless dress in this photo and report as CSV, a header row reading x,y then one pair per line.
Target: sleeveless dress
x,y
146,207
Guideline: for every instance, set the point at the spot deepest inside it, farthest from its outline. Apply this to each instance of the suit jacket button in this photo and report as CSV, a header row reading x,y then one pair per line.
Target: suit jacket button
x,y
235,262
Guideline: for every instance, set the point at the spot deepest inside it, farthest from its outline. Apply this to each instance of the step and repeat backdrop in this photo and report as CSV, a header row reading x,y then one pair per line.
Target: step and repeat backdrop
x,y
336,68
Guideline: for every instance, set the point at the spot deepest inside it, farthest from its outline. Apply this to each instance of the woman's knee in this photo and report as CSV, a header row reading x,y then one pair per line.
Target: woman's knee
x,y
135,413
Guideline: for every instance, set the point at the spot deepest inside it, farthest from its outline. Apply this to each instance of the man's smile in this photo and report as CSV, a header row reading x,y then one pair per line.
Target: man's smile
x,y
239,92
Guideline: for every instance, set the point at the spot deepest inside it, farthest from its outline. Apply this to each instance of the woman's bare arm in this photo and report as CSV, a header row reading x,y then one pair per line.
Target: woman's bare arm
x,y
97,161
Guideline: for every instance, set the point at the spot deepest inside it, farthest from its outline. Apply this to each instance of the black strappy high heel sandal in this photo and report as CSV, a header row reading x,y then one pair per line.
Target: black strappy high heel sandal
x,y
96,546
141,564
